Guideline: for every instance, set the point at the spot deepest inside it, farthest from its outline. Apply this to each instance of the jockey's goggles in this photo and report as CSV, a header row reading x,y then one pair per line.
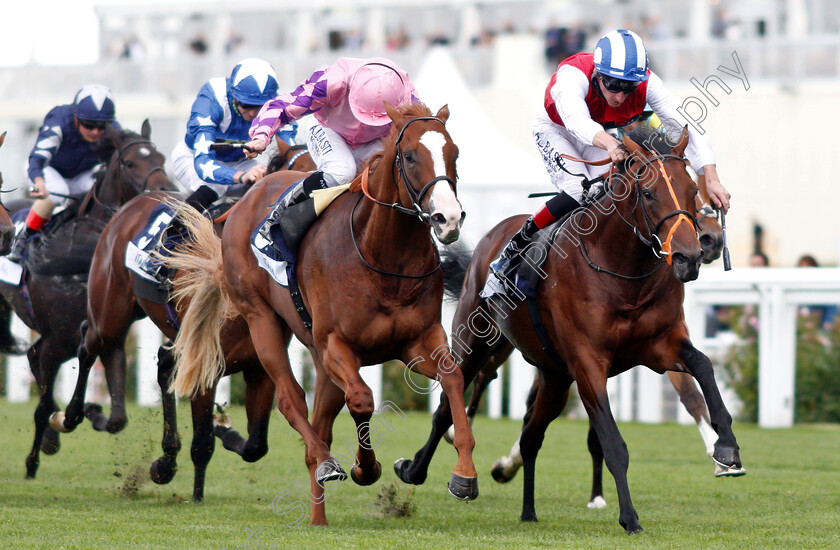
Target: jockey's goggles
x,y
92,124
616,85
246,107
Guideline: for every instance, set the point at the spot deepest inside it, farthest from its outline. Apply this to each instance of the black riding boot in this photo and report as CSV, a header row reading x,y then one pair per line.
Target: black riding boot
x,y
19,244
506,265
202,198
297,212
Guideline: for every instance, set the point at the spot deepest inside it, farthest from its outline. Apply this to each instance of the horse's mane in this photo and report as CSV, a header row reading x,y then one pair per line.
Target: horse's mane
x,y
279,160
655,140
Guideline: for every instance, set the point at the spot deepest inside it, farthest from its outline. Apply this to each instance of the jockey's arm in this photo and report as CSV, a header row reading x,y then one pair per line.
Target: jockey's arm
x,y
716,191
611,145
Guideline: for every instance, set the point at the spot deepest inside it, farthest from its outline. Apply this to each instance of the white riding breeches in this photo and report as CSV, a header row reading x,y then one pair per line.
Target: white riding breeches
x,y
183,166
338,161
61,188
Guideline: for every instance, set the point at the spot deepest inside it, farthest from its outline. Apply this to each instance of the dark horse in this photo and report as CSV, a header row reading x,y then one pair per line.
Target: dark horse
x,y
369,275
52,296
7,228
606,303
504,469
112,308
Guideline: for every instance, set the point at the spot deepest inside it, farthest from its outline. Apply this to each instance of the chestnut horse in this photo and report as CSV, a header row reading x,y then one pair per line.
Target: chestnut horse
x,y
370,277
599,310
112,308
51,298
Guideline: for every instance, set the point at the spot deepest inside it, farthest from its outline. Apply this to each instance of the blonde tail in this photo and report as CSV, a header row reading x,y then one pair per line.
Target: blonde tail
x,y
199,284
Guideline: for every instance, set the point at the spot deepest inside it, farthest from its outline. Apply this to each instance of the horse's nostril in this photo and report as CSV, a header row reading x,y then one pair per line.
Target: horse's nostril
x,y
463,216
439,218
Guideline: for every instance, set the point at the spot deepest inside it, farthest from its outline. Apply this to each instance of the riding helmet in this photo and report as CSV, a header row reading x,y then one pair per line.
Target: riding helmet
x,y
94,102
621,54
253,82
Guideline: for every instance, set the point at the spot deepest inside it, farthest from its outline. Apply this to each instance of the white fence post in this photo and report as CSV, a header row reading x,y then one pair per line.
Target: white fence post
x,y
521,378
18,374
149,339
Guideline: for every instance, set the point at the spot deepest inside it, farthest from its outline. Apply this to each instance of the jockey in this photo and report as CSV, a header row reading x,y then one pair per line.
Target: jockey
x,y
224,109
587,95
348,101
64,159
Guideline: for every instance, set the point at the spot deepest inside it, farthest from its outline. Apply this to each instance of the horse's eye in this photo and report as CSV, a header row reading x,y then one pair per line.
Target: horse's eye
x,y
129,164
647,195
408,157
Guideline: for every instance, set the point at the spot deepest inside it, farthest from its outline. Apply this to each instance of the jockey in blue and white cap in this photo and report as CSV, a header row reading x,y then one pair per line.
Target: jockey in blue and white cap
x,y
223,110
64,159
589,94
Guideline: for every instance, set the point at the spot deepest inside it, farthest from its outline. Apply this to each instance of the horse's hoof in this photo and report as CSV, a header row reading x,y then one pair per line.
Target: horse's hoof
x,y
364,480
635,530
727,457
597,503
329,470
728,471
49,442
501,473
402,467
463,488
57,422
163,470
222,421
531,517
93,412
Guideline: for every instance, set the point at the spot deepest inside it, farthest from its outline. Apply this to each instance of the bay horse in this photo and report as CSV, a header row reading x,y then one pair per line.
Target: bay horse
x,y
606,303
505,468
52,295
370,277
7,228
113,306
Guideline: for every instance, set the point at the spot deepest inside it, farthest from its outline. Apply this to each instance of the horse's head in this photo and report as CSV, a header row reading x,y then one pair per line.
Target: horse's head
x,y
709,231
424,157
7,228
665,199
135,166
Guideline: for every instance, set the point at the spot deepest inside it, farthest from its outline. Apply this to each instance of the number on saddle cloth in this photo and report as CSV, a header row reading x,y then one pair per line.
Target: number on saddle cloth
x,y
138,252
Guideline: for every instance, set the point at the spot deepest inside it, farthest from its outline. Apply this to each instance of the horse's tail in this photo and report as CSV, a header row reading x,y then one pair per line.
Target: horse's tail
x,y
198,348
454,261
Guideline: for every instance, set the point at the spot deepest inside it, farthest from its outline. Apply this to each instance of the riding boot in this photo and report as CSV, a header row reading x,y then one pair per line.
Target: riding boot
x,y
297,212
19,245
202,198
506,265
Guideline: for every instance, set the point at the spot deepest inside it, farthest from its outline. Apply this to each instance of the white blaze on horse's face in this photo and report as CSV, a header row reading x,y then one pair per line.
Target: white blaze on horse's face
x,y
446,213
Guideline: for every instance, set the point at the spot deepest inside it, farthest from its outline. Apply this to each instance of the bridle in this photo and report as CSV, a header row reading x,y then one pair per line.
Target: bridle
x,y
123,167
415,197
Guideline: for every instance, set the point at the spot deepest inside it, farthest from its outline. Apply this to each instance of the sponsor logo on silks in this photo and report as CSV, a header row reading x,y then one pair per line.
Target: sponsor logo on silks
x,y
319,144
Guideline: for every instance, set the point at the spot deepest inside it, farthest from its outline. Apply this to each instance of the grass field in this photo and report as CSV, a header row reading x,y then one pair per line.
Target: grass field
x,y
95,492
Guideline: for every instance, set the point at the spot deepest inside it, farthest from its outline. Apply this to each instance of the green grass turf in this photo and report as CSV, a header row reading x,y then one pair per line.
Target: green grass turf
x,y
95,492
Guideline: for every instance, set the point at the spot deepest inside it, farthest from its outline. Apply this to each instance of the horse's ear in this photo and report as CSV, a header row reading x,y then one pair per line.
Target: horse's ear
x,y
146,129
2,139
443,113
634,148
679,148
392,111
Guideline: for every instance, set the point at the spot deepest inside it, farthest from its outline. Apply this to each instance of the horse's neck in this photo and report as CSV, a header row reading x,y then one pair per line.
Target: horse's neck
x,y
104,198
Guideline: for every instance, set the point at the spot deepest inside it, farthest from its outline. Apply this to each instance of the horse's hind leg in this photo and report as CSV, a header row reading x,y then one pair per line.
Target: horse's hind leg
x,y
45,369
726,451
113,359
505,468
551,396
596,498
259,400
203,443
163,469
694,403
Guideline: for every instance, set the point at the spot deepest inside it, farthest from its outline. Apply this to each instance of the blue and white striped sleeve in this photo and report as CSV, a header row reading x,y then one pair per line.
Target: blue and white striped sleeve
x,y
46,145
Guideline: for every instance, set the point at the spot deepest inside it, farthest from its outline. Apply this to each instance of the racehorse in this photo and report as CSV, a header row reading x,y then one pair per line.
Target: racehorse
x,y
52,294
370,278
7,228
113,306
606,303
504,469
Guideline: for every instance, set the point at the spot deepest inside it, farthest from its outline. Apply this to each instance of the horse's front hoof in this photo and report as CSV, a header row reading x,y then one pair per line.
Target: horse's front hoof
x,y
632,526
93,412
163,470
727,457
503,472
635,530
463,488
364,480
728,471
402,467
530,517
31,467
329,470
49,442
57,422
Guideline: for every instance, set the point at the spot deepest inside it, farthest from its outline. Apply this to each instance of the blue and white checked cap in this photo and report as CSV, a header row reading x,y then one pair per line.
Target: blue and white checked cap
x,y
621,54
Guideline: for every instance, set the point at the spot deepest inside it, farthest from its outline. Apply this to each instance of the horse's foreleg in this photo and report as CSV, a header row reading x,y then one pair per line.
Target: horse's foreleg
x,y
551,396
343,365
259,400
203,443
45,372
694,403
486,375
432,357
592,385
73,415
726,452
329,399
270,340
163,469
114,359
596,499
505,468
